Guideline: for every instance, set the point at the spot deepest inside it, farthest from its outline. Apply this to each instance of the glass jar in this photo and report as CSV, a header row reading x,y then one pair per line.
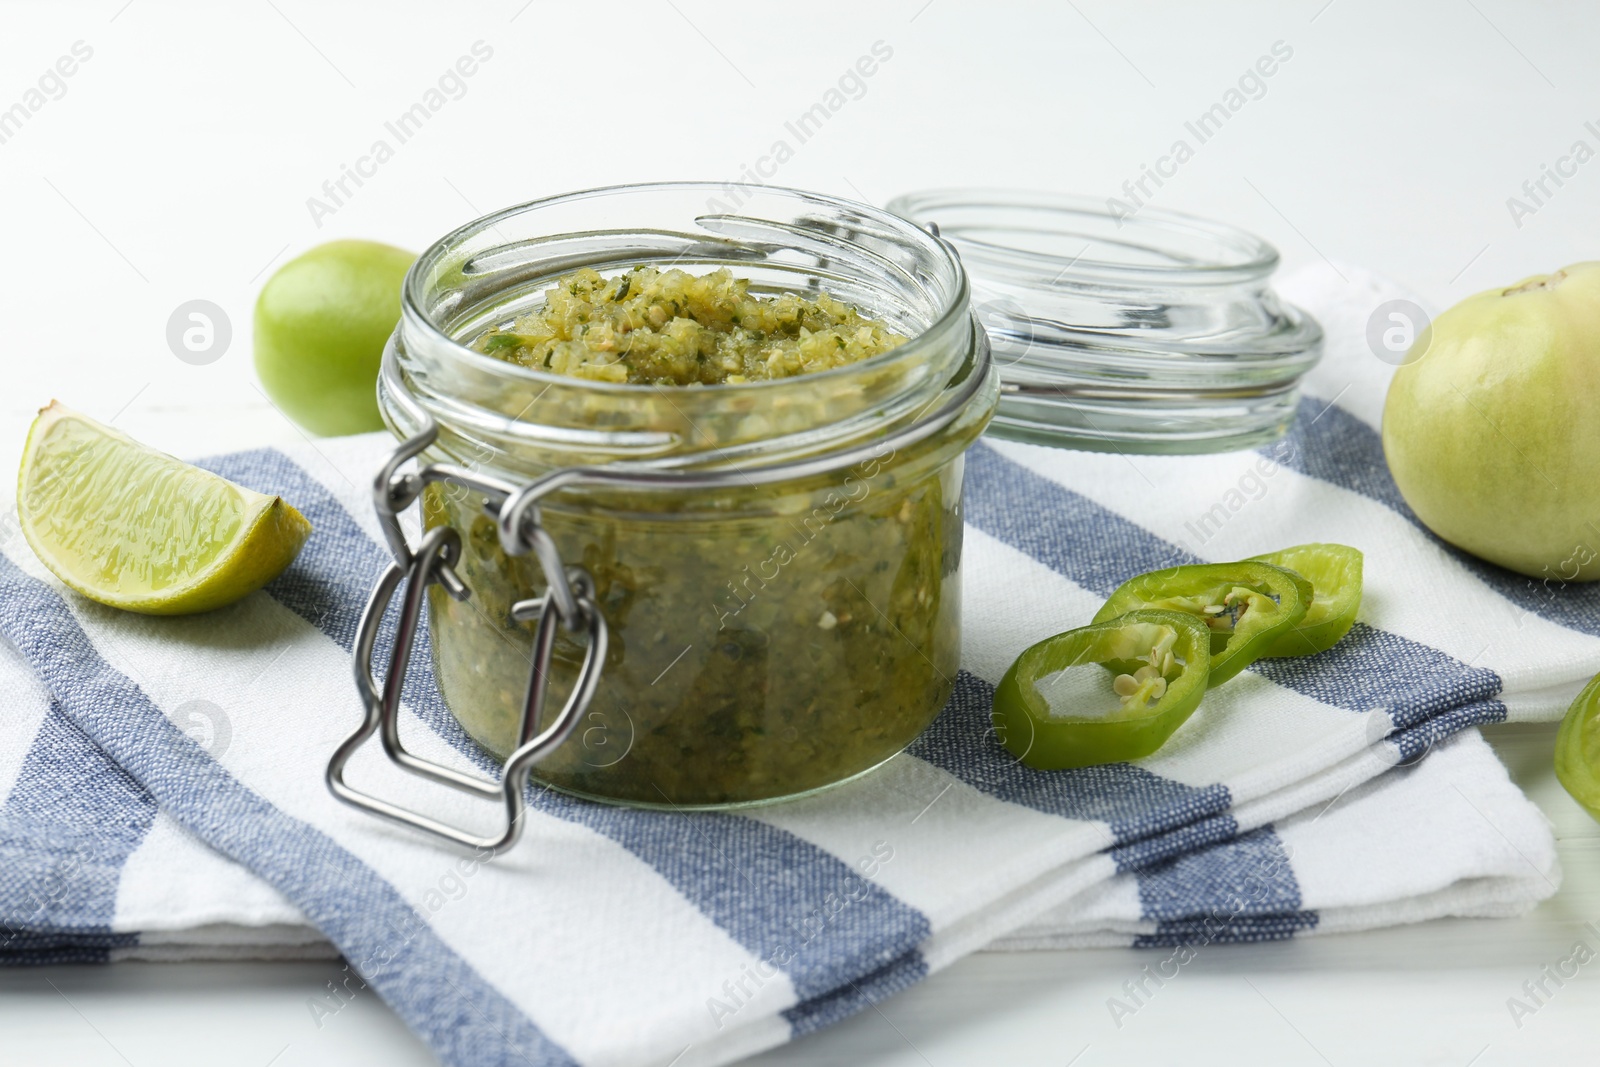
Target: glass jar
x,y
1115,330
780,586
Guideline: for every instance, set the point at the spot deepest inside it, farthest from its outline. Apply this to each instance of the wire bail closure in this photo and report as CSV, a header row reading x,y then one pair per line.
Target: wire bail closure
x,y
569,601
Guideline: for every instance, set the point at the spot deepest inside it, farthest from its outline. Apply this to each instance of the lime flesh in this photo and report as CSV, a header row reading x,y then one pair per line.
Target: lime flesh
x,y
136,529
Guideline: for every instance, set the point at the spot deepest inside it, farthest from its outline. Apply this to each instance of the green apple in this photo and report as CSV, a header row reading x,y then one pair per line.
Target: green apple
x,y
1493,432
320,326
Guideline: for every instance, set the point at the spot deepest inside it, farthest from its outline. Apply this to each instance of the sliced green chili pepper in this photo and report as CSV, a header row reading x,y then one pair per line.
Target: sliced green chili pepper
x,y
1245,606
1578,748
1056,707
1334,572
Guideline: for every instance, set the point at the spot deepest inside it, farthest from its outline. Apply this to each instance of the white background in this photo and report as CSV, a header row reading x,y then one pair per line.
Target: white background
x,y
178,162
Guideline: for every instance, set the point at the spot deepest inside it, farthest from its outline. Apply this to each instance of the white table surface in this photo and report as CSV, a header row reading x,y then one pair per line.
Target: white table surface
x,y
177,162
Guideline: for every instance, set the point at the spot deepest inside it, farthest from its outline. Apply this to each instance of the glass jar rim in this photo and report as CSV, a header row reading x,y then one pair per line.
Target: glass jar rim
x,y
412,303
1076,217
500,264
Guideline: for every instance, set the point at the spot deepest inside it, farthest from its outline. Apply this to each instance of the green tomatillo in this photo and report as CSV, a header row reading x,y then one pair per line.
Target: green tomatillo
x,y
1492,430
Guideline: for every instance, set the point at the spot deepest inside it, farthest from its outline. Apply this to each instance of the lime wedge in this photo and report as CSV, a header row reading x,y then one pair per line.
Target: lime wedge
x,y
134,528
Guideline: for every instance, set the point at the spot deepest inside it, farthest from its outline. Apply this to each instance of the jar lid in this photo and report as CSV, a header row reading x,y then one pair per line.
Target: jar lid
x,y
1134,331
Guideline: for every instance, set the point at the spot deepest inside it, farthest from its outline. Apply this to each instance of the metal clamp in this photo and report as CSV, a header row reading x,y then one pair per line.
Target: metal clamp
x,y
569,601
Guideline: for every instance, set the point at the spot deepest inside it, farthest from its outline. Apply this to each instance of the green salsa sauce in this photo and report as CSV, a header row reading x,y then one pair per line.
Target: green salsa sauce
x,y
651,327
765,641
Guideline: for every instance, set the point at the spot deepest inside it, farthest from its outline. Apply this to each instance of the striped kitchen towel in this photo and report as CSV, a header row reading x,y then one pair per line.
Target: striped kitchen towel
x,y
163,795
